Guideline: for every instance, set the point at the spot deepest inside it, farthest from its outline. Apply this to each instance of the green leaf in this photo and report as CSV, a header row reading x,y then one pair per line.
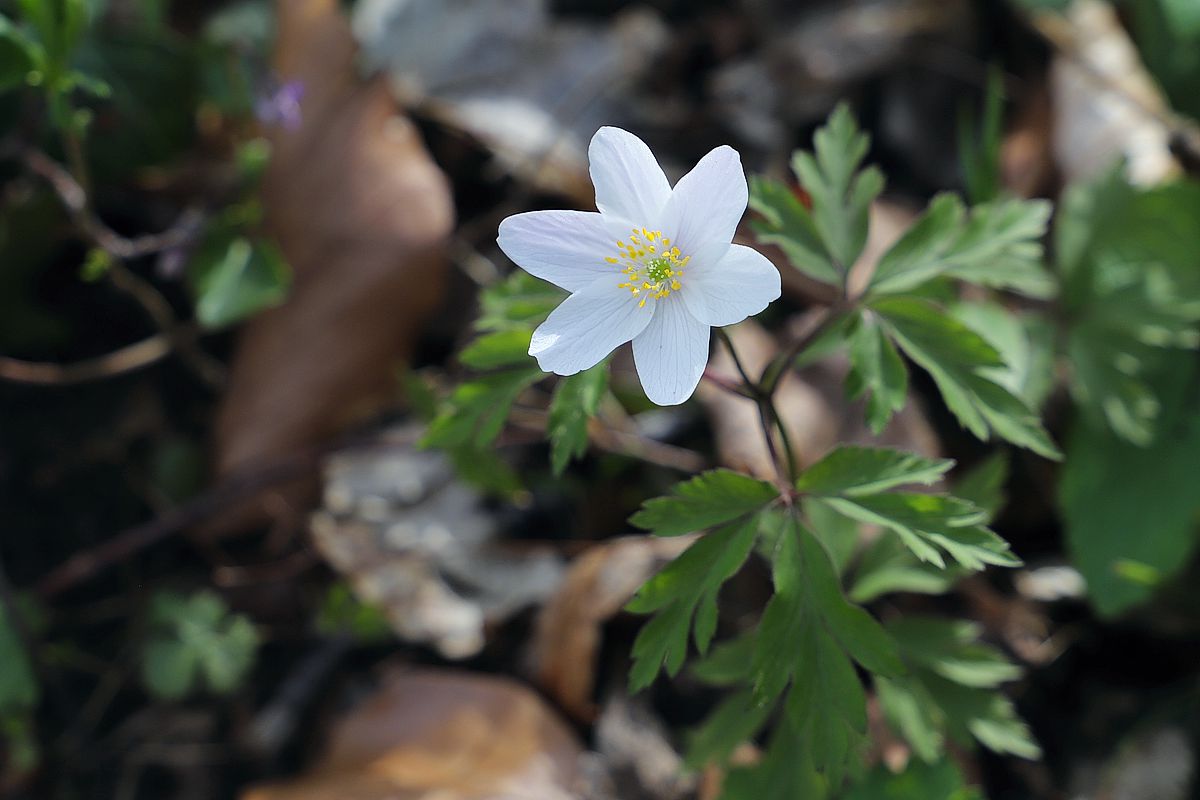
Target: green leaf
x,y
841,194
957,359
519,301
710,498
788,225
888,566
912,712
1024,341
951,689
979,142
19,54
18,684
983,484
1124,503
876,371
476,410
728,662
735,720
851,470
196,640
576,399
919,781
949,649
685,588
929,523
500,349
808,614
996,244
341,614
234,278
1128,259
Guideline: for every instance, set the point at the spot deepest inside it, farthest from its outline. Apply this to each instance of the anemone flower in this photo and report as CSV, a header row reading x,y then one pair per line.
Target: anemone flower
x,y
656,265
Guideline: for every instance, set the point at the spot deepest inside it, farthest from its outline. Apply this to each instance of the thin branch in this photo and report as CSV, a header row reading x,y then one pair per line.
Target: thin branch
x,y
119,362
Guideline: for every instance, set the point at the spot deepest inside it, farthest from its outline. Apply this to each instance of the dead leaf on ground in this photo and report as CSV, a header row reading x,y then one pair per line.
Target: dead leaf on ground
x,y
413,540
361,212
598,585
445,735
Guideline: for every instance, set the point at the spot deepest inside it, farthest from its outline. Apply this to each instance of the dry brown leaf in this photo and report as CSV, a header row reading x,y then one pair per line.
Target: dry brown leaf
x,y
361,213
596,587
444,735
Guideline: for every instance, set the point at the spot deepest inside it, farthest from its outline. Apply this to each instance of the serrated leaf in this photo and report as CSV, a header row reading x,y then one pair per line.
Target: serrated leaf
x,y
684,589
476,411
997,244
576,399
500,349
957,358
949,648
928,523
851,470
877,372
983,484
234,278
887,566
728,662
710,498
841,194
788,225
914,715
981,714
518,301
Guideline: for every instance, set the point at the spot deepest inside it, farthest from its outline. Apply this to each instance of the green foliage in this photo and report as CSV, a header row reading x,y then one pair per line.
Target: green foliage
x,y
876,372
850,470
341,614
475,412
919,781
234,277
710,498
195,641
979,141
576,399
19,689
1167,33
948,691
958,360
506,348
520,301
994,244
826,241
1128,261
1124,503
686,589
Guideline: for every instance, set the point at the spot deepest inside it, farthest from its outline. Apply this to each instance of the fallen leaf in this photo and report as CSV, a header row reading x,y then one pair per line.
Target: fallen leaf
x,y
597,586
445,735
361,213
414,541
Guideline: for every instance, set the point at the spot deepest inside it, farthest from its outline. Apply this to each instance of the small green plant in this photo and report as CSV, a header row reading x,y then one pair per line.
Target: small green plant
x,y
195,642
795,680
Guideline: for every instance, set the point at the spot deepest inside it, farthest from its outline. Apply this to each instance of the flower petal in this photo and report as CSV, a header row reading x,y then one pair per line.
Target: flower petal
x,y
587,326
671,353
629,182
726,291
566,248
708,203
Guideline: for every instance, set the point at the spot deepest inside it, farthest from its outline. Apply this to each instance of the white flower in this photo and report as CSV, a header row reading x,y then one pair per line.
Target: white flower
x,y
657,265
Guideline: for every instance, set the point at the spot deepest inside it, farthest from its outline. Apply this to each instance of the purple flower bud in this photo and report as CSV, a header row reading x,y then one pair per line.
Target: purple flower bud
x,y
281,105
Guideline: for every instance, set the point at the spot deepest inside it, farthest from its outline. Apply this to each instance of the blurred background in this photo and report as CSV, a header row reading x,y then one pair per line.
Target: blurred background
x,y
241,244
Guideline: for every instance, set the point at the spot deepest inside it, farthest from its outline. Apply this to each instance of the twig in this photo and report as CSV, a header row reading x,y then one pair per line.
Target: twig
x,y
127,359
75,199
238,486
619,442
